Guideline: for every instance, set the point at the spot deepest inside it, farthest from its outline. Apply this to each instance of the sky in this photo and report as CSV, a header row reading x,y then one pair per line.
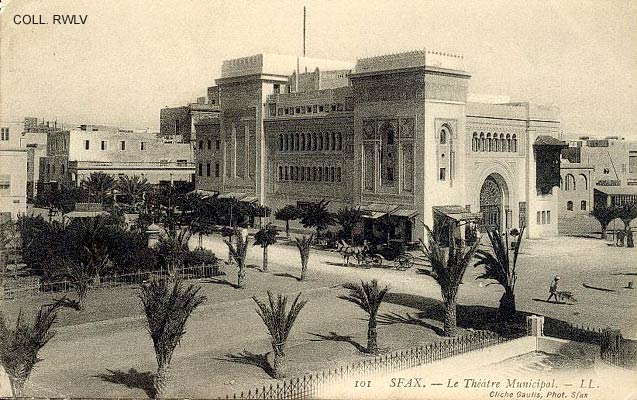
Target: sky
x,y
134,57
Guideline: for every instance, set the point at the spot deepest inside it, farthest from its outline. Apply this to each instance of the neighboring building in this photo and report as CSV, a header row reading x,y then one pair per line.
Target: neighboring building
x,y
73,155
13,171
392,134
594,170
178,123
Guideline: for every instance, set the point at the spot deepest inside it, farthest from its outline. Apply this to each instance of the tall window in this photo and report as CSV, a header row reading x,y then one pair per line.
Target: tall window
x,y
570,182
217,144
122,145
176,127
474,142
87,145
482,141
632,162
217,170
103,145
207,169
569,205
142,146
209,144
5,134
514,143
583,205
200,169
507,143
443,135
489,144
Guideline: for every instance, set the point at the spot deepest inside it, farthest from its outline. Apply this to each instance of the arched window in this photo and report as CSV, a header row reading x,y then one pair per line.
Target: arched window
x,y
474,142
444,132
514,143
489,144
308,141
583,205
333,147
507,143
280,142
340,141
308,173
501,147
314,140
280,172
338,174
482,141
332,174
584,182
320,174
296,174
314,174
296,142
326,141
302,144
570,182
302,175
286,173
320,141
285,142
569,205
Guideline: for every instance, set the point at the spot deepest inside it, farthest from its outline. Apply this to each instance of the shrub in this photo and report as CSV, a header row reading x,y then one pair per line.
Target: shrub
x,y
199,257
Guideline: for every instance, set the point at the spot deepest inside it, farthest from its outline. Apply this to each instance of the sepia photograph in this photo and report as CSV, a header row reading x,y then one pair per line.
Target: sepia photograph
x,y
318,199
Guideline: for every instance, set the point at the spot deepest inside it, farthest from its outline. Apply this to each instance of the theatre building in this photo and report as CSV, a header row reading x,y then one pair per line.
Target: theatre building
x,y
396,135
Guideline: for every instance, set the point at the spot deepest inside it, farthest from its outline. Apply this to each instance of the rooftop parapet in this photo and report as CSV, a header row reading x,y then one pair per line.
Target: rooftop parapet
x,y
274,64
411,59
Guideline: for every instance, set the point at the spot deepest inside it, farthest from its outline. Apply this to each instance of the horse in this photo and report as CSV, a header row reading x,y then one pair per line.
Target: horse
x,y
347,251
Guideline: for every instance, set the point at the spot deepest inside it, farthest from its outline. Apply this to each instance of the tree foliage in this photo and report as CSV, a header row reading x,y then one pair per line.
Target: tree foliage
x,y
287,214
316,215
279,322
448,266
604,214
368,296
167,306
266,237
348,218
99,187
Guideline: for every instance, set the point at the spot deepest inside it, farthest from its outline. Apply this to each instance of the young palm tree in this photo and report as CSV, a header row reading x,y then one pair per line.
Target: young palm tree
x,y
172,250
604,214
238,253
279,322
19,347
499,266
368,296
134,187
167,307
447,269
264,238
286,214
304,244
99,186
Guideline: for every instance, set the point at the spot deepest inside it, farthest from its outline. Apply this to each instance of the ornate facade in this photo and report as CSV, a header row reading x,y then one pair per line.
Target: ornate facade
x,y
397,138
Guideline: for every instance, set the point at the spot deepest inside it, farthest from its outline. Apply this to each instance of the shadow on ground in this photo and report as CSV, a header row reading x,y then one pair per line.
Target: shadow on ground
x,y
248,358
287,275
218,281
334,337
132,379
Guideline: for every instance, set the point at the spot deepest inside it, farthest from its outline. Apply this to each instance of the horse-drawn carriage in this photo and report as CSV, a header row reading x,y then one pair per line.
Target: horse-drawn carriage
x,y
386,256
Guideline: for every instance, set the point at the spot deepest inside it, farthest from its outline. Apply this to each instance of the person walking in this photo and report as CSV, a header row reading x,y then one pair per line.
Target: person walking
x,y
553,289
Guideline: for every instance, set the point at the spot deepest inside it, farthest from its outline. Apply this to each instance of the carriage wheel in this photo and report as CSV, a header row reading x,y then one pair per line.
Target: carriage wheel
x,y
404,262
376,261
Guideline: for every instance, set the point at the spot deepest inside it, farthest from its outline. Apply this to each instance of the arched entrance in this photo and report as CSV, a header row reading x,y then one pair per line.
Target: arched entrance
x,y
491,200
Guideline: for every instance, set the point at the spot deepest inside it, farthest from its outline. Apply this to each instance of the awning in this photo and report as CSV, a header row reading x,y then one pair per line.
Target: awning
x,y
617,190
86,214
457,213
373,214
379,207
204,193
232,195
403,212
249,199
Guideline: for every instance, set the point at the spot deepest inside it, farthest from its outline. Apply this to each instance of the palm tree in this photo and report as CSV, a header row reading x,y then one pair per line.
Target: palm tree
x,y
304,244
286,214
627,212
19,347
99,186
447,269
348,218
279,322
317,215
368,296
265,237
134,188
172,250
167,310
238,253
604,214
499,266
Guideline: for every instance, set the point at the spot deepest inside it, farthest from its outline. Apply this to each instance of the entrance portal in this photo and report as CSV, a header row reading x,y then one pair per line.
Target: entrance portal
x,y
491,204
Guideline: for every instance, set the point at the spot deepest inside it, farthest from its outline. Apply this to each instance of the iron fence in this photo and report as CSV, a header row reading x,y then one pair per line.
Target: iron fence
x,y
312,384
109,281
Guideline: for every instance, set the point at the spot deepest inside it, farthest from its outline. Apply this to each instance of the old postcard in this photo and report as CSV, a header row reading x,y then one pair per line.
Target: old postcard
x,y
318,199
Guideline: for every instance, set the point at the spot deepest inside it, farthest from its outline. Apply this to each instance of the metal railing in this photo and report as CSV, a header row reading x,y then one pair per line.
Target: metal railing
x,y
311,385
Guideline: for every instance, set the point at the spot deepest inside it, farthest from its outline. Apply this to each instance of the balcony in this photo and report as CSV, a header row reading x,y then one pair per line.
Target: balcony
x,y
123,165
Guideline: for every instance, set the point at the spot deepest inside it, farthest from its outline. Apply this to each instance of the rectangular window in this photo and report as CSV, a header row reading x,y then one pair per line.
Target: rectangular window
x,y
543,217
142,146
103,145
200,169
443,174
122,145
5,134
209,144
632,162
87,145
180,163
217,144
548,217
217,170
539,216
176,127
208,169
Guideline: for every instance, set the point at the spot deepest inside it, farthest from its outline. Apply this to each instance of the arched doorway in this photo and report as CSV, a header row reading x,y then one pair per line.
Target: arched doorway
x,y
491,199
